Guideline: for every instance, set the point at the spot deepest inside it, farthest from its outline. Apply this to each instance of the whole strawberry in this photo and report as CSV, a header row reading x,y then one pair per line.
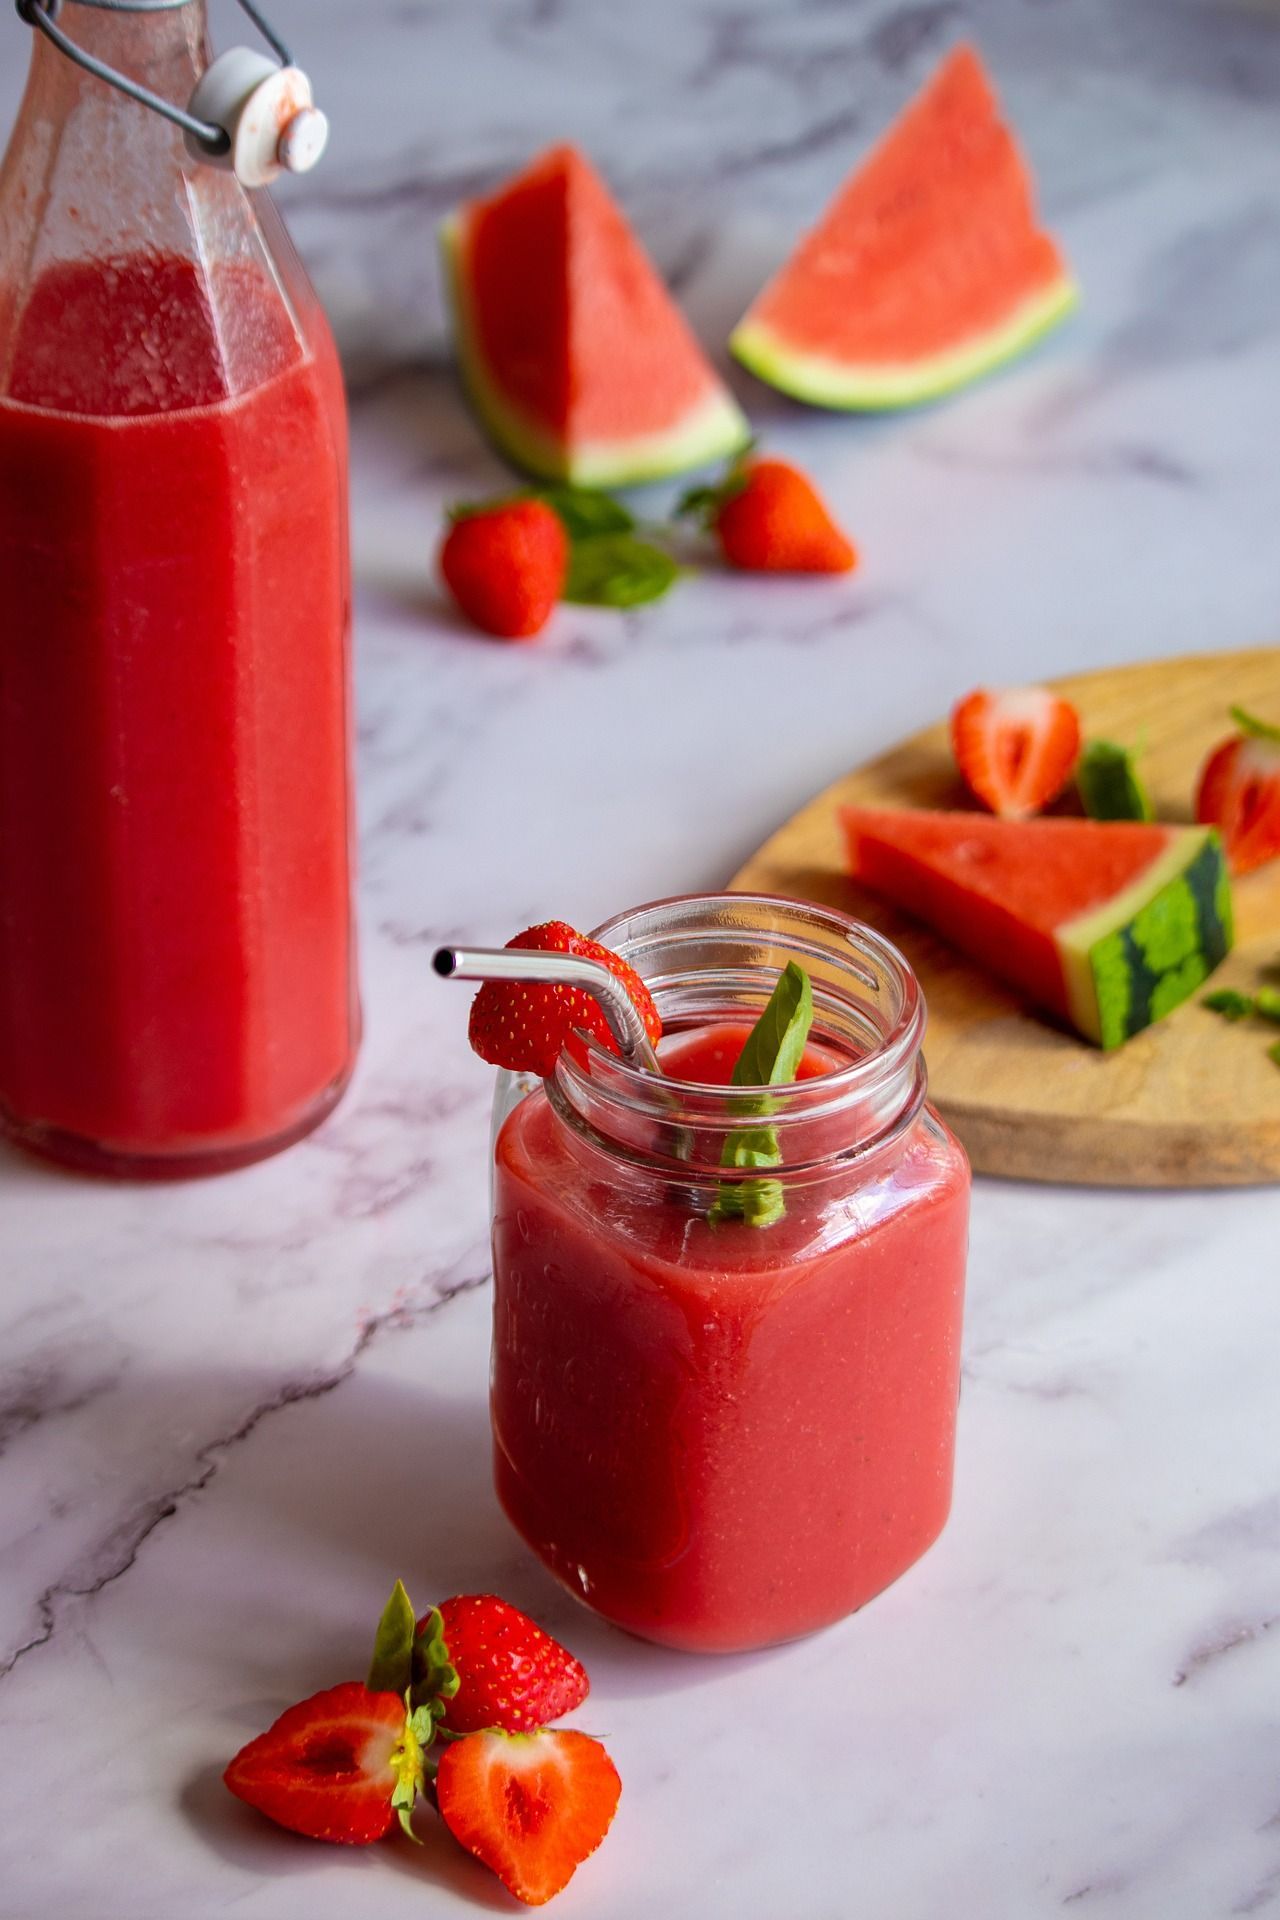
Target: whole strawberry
x,y
770,518
524,1028
510,1673
506,565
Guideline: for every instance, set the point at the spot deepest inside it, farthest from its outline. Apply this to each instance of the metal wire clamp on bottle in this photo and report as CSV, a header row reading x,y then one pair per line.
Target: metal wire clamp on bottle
x,y
252,115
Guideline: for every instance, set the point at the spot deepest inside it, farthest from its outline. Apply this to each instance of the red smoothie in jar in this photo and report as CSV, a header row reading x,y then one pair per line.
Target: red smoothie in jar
x,y
722,1435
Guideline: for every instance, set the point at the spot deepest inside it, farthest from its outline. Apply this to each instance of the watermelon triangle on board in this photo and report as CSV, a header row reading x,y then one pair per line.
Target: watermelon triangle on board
x,y
575,356
928,268
1107,924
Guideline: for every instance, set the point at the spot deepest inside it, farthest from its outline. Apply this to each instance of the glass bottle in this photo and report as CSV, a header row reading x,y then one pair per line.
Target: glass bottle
x,y
724,1402
177,982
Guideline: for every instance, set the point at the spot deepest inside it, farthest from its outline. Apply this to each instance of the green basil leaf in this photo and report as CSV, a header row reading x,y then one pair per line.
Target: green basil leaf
x,y
775,1045
617,570
1110,788
391,1668
770,1058
585,514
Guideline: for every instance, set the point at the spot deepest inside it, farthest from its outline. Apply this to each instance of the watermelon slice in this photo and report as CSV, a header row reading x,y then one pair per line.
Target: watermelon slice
x,y
575,356
1107,924
927,269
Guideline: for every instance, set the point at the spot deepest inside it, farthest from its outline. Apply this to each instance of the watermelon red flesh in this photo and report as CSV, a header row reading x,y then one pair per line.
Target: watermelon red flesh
x,y
1106,924
928,268
576,357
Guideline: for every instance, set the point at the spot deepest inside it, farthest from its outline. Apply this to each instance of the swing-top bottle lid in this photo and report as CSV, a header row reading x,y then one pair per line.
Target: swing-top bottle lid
x,y
250,114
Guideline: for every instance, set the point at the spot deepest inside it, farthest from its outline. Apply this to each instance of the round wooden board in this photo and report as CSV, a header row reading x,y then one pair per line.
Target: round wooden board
x,y
1190,1102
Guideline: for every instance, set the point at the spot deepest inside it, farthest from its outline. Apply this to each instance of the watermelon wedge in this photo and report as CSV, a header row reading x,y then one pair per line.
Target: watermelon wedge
x,y
575,356
1107,924
927,269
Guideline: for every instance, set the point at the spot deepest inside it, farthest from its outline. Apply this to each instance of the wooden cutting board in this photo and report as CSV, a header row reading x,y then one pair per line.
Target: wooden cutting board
x,y
1193,1101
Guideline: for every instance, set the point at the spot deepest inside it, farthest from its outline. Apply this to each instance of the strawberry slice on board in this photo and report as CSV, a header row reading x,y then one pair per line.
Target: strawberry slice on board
x,y
531,1806
511,1674
339,1766
1016,748
524,1027
1239,792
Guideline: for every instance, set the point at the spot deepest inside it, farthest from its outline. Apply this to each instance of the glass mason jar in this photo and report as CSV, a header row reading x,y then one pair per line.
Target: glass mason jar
x,y
177,981
724,1399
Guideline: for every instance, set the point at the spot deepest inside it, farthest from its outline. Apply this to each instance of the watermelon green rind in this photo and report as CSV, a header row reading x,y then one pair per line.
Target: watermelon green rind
x,y
1130,962
715,431
824,382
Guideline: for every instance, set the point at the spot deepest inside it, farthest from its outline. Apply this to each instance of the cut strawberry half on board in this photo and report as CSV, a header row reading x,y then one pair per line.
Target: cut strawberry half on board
x,y
524,1027
1016,749
511,1674
329,1767
531,1806
1239,792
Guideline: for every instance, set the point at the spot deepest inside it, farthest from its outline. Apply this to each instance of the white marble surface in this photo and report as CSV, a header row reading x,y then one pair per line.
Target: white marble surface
x,y
231,1413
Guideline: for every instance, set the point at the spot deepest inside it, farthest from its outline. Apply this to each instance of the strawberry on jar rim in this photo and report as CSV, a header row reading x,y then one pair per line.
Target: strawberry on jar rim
x,y
524,1027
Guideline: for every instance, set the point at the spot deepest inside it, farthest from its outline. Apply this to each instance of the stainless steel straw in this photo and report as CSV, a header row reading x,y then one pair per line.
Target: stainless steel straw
x,y
557,969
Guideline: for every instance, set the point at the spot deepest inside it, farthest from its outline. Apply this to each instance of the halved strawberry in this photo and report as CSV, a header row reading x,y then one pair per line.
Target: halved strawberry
x,y
1239,791
1016,749
524,1028
338,1766
511,1674
531,1806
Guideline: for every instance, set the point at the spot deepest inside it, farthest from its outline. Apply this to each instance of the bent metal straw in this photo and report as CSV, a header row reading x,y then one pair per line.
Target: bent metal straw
x,y
561,970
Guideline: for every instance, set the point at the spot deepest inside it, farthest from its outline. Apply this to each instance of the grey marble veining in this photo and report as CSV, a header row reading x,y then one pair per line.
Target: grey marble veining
x,y
231,1413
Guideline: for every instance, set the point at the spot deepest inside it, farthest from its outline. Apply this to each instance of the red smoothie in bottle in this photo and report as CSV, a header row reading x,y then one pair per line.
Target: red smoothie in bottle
x,y
177,984
175,967
722,1435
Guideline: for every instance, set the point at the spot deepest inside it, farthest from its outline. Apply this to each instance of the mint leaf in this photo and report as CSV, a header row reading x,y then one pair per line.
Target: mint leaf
x,y
1268,1003
1230,1004
617,570
1110,788
1256,729
585,514
770,1058
1273,1052
390,1669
